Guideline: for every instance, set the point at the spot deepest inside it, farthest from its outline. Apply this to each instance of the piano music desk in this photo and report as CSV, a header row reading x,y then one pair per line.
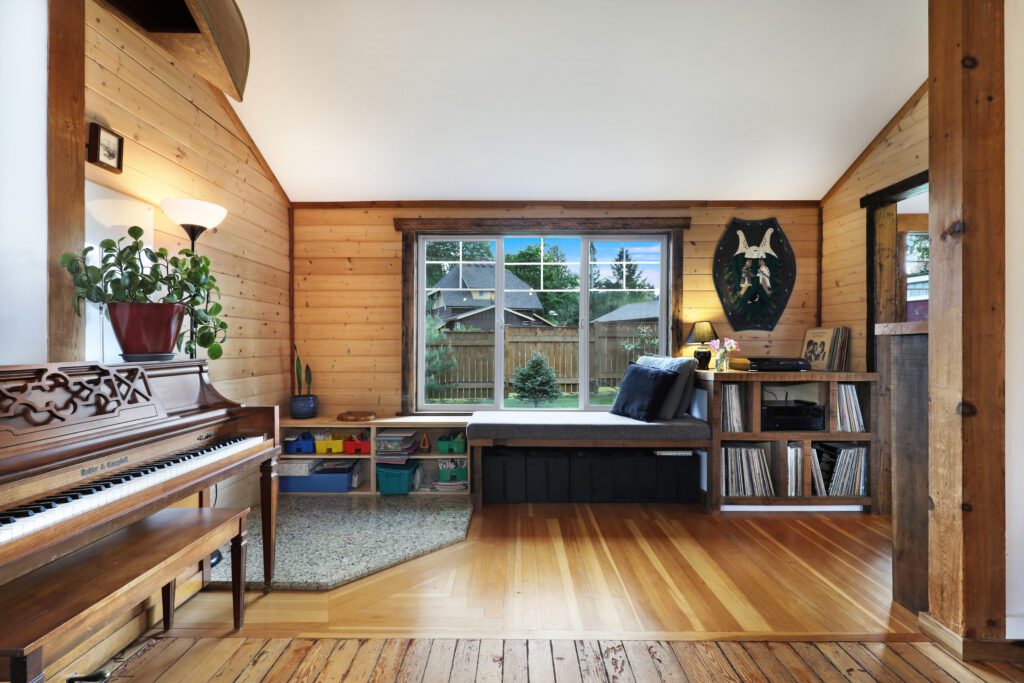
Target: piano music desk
x,y
79,593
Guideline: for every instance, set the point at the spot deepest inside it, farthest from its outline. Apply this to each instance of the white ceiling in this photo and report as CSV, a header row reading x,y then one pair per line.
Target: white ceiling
x,y
916,204
574,99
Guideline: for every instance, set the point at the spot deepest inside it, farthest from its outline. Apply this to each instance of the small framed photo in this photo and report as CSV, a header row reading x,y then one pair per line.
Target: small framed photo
x,y
106,148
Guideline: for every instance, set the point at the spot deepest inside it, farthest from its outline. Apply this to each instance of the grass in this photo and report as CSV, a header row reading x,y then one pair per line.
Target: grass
x,y
605,396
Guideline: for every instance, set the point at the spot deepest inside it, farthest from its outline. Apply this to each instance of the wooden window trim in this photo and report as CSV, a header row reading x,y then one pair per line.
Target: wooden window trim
x,y
412,228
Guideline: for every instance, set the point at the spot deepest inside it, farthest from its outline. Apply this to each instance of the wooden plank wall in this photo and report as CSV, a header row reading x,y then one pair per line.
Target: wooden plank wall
x,y
181,139
899,151
348,279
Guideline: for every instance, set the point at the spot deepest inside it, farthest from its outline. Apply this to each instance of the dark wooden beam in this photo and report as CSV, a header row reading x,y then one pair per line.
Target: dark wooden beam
x,y
502,226
547,203
65,172
967,522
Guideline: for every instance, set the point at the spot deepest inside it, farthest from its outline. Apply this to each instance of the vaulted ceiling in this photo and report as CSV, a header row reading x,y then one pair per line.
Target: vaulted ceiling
x,y
574,99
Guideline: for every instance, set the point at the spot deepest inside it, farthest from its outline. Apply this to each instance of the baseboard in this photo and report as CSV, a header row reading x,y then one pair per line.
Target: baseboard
x,y
969,649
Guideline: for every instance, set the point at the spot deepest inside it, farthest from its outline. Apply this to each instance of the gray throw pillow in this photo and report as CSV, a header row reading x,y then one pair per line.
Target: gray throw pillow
x,y
677,402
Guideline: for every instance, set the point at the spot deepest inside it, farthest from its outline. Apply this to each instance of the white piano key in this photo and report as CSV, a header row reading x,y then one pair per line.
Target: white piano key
x,y
65,511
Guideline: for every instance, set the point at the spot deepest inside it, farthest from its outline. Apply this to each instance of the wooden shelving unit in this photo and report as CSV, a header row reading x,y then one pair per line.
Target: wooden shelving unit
x,y
752,385
433,425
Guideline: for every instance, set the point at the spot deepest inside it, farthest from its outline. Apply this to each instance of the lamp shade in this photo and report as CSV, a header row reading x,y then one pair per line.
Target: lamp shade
x,y
701,333
187,211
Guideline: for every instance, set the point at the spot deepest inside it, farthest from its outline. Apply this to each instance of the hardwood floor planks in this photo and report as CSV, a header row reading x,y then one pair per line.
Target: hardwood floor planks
x,y
542,661
607,572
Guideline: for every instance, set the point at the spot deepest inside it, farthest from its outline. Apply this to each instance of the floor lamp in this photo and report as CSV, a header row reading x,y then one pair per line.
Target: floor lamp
x,y
195,217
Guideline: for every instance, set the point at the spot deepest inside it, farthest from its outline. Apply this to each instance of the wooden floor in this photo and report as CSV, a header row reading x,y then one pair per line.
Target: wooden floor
x,y
432,661
607,572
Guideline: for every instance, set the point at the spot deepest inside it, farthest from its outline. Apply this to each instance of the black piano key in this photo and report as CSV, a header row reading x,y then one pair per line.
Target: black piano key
x,y
20,513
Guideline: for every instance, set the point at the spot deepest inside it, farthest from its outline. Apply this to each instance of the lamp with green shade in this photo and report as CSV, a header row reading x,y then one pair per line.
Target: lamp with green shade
x,y
701,333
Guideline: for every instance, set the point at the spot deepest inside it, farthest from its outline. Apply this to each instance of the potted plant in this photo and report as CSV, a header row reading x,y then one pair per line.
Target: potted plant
x,y
303,406
146,293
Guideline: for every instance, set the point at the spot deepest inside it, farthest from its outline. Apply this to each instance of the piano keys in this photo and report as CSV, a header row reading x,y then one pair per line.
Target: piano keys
x,y
87,449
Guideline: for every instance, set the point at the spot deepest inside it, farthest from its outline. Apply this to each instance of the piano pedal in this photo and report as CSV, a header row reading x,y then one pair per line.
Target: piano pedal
x,y
216,558
100,675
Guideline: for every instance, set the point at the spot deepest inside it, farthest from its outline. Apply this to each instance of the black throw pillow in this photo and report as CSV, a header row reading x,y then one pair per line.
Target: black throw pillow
x,y
643,391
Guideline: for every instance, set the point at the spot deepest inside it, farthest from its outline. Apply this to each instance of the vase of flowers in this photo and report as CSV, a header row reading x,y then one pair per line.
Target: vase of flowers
x,y
722,348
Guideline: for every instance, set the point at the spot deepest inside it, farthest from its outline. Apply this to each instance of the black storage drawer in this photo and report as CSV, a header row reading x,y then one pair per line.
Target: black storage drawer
x,y
556,475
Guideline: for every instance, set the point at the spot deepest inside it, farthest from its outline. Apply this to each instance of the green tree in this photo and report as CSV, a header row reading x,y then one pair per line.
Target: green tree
x,y
439,357
536,381
561,308
450,253
645,341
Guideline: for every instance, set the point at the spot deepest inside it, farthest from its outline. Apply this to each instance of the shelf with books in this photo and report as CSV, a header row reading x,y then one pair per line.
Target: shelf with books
x,y
849,401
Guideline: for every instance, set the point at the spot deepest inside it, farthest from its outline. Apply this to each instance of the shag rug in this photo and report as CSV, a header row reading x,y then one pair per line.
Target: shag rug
x,y
326,541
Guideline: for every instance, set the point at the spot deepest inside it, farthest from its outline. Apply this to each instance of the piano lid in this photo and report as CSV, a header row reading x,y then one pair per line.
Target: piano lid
x,y
49,412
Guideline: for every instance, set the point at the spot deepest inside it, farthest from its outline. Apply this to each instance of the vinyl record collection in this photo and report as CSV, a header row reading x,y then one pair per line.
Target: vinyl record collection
x,y
746,471
850,417
839,469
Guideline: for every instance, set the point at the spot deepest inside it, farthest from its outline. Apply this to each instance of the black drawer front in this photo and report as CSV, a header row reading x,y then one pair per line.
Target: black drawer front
x,y
554,475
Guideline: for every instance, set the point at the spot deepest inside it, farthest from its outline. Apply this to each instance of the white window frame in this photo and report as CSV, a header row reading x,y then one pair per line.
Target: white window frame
x,y
583,361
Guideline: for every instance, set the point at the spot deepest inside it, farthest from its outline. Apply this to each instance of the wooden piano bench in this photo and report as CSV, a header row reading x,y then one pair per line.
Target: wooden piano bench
x,y
69,599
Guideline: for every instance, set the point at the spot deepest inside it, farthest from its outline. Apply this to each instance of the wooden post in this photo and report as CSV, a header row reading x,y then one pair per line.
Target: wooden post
x,y
966,591
65,173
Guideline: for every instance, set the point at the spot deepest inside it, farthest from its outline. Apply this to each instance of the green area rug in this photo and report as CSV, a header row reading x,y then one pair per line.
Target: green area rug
x,y
326,541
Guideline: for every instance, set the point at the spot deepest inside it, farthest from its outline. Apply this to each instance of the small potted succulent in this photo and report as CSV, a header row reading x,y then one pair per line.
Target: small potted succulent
x,y
303,406
146,293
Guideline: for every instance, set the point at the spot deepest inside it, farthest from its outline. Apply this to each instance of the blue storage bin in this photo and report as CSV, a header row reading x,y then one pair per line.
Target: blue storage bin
x,y
396,480
318,482
303,444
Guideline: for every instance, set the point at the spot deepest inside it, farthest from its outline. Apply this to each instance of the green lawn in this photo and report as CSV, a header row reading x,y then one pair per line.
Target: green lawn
x,y
605,396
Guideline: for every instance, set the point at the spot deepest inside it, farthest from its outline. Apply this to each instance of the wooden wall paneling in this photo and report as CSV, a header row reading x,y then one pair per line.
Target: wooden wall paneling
x,y
65,172
908,427
346,254
182,138
899,151
966,441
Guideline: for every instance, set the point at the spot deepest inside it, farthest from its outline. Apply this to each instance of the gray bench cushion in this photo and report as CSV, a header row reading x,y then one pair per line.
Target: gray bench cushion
x,y
557,425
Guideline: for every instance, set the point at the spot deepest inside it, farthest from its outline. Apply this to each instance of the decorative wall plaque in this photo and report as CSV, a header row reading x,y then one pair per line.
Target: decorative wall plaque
x,y
754,271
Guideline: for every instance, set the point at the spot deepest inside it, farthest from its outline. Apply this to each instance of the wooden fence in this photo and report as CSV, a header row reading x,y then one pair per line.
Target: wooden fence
x,y
472,376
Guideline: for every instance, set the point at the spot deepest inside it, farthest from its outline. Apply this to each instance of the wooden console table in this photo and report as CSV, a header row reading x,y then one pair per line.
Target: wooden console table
x,y
751,389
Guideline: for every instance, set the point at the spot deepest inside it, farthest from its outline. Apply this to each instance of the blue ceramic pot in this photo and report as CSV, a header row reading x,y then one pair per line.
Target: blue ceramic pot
x,y
304,407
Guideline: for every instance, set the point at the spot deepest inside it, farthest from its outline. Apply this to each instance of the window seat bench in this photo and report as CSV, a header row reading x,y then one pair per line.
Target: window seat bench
x,y
598,430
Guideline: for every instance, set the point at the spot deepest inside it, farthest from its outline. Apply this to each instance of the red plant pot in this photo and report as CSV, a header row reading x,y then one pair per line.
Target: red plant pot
x,y
146,328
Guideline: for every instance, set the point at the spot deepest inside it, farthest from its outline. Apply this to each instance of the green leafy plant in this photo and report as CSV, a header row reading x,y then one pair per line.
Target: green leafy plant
x,y
299,375
646,340
536,381
439,356
133,273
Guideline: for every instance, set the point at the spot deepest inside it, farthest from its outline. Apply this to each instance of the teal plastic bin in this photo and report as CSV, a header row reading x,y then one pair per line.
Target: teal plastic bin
x,y
396,480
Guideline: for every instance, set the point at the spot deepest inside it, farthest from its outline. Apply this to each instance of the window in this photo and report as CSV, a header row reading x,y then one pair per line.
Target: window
x,y
915,256
535,321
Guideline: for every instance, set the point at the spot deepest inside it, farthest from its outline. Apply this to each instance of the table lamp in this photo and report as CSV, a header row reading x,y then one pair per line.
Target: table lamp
x,y
701,333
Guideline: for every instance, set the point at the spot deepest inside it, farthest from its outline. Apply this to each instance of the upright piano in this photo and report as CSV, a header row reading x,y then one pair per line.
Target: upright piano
x,y
87,449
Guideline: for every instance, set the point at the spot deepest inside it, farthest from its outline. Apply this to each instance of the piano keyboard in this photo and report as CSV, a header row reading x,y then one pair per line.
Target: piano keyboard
x,y
39,514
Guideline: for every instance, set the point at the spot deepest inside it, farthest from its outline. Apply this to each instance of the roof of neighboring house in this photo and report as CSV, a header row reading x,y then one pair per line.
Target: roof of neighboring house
x,y
477,276
635,312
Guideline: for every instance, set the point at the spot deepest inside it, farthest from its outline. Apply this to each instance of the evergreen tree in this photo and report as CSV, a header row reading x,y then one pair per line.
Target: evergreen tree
x,y
536,381
439,357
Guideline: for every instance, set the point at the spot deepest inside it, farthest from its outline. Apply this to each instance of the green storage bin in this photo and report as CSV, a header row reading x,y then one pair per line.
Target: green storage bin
x,y
454,474
452,444
396,480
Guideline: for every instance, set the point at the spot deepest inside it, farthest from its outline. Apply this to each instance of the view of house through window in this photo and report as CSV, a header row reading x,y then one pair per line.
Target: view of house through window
x,y
536,321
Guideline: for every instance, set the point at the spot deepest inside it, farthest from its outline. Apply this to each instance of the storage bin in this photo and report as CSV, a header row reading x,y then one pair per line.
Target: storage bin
x,y
318,482
355,447
452,474
452,443
396,479
299,445
297,468
335,445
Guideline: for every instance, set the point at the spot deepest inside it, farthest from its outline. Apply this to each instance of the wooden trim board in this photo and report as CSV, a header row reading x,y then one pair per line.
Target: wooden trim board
x,y
65,173
525,204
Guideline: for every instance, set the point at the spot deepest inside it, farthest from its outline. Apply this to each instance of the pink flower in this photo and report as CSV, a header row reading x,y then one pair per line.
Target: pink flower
x,y
715,344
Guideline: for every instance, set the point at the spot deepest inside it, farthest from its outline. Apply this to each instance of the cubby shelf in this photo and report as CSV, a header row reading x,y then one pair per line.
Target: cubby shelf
x,y
751,390
432,424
